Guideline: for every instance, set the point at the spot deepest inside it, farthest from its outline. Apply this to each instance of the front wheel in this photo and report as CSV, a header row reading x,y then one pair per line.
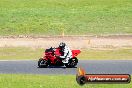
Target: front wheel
x,y
42,63
72,63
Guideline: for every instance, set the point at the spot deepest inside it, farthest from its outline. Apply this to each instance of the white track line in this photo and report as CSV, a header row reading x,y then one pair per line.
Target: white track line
x,y
17,60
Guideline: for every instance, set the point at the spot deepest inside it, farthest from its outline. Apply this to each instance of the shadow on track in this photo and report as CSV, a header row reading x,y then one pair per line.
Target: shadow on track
x,y
63,67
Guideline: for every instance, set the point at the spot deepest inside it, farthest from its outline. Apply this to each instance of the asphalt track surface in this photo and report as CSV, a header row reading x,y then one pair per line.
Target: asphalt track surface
x,y
91,67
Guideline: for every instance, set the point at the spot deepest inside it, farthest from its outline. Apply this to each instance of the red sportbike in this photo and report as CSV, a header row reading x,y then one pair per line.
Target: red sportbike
x,y
51,58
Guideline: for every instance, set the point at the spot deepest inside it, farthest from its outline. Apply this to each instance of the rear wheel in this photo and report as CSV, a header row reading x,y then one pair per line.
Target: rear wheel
x,y
72,63
42,63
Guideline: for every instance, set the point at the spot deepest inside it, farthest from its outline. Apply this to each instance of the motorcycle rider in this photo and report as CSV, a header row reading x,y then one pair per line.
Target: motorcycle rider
x,y
67,53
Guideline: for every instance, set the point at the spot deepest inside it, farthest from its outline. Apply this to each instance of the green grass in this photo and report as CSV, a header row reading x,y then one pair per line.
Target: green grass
x,y
49,81
119,54
76,17
18,53
11,53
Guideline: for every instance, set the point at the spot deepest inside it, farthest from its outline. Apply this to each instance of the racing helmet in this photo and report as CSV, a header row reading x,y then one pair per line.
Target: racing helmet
x,y
62,44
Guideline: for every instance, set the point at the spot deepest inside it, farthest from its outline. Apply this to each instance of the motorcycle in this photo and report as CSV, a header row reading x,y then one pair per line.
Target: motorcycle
x,y
51,58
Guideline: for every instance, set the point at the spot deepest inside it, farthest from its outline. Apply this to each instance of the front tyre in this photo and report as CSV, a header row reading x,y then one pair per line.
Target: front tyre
x,y
42,63
72,63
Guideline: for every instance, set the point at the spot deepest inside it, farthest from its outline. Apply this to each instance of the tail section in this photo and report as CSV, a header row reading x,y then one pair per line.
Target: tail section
x,y
75,52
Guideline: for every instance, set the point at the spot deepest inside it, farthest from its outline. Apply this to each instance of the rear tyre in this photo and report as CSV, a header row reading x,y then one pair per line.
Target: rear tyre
x,y
72,63
43,63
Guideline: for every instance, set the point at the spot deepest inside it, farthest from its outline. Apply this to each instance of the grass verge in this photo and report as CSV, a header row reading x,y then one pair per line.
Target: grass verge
x,y
18,53
75,17
49,81
119,54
